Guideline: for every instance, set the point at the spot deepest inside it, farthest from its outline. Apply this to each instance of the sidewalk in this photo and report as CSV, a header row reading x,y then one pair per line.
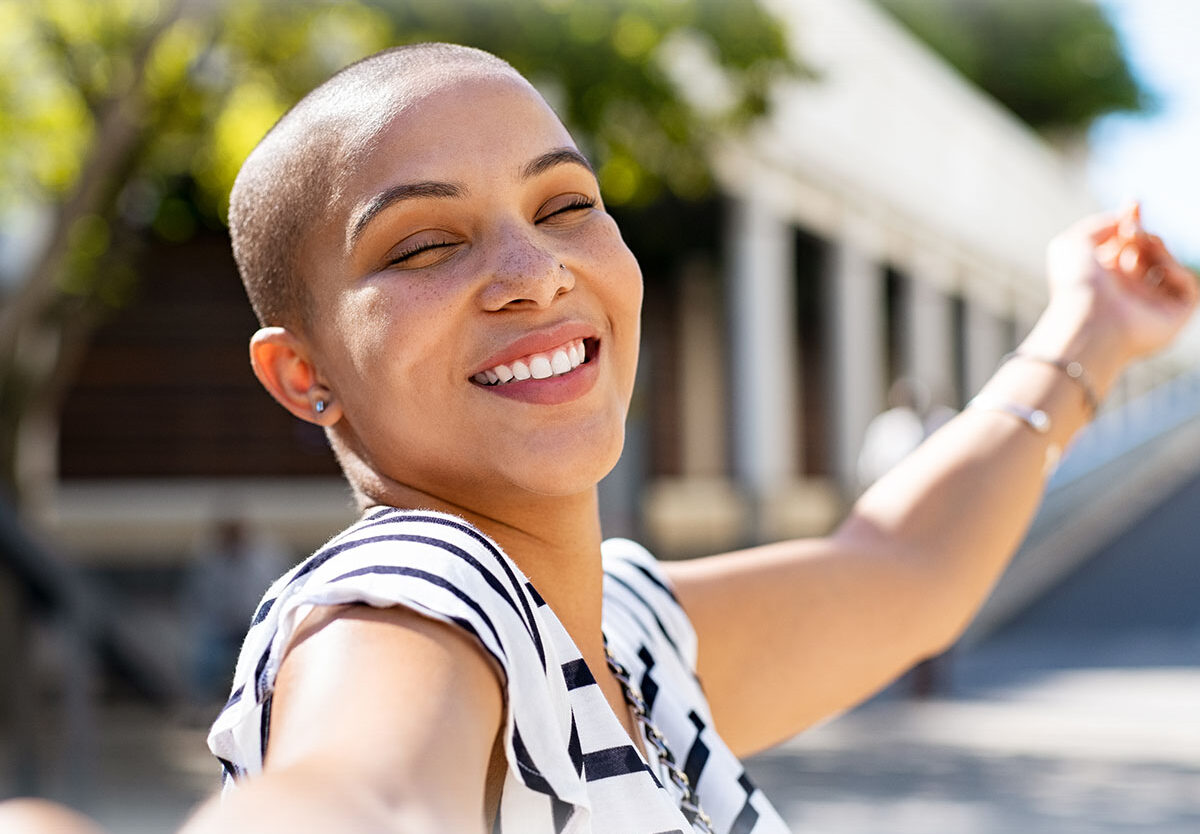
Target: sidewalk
x,y
1022,747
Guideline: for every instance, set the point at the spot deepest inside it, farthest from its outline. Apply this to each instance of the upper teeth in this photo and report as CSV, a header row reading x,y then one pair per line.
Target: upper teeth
x,y
559,361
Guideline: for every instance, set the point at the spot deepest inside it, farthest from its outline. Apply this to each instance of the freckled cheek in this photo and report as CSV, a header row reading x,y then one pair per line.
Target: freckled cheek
x,y
386,331
610,259
622,279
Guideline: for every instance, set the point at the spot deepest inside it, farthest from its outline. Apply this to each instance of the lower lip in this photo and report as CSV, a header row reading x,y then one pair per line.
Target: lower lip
x,y
553,390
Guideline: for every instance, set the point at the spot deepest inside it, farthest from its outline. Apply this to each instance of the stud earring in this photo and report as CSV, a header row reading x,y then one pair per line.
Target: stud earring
x,y
320,407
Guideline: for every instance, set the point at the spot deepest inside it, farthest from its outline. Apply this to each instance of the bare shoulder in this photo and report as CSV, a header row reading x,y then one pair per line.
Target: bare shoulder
x,y
405,706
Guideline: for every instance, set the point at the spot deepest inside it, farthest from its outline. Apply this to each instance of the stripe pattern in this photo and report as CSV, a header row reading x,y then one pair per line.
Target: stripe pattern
x,y
571,766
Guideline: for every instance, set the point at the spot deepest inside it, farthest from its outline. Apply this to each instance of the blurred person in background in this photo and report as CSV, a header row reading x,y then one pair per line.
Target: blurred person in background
x,y
221,590
442,290
893,434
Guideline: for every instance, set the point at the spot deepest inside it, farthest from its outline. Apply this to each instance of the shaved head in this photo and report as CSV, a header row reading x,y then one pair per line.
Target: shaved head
x,y
297,172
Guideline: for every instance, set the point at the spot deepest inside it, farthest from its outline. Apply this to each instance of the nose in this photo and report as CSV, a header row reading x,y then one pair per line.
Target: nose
x,y
525,274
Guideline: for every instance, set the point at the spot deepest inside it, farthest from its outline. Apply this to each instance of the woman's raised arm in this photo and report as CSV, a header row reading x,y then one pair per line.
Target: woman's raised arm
x,y
794,632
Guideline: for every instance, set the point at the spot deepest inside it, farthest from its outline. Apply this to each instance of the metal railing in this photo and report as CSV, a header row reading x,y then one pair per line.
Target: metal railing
x,y
1134,456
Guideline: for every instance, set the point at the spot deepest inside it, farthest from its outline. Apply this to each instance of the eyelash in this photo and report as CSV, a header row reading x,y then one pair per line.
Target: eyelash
x,y
576,203
405,254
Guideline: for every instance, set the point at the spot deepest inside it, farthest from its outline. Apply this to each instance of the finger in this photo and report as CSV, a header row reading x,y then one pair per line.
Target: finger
x,y
1151,248
1155,276
1156,249
1108,253
1130,223
1143,259
1166,282
1132,261
1095,228
1180,283
1098,228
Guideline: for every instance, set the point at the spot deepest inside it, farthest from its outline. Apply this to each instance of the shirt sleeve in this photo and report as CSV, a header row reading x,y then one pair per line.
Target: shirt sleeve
x,y
442,568
635,580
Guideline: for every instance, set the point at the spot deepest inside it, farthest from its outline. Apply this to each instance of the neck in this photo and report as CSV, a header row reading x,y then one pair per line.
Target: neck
x,y
554,540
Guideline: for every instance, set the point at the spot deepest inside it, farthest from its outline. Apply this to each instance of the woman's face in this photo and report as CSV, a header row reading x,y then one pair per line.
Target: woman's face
x,y
470,249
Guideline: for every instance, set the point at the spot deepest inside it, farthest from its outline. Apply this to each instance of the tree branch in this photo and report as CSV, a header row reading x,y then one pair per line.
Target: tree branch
x,y
120,128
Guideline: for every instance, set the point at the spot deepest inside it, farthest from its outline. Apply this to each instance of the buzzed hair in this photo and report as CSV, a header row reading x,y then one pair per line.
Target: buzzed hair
x,y
297,171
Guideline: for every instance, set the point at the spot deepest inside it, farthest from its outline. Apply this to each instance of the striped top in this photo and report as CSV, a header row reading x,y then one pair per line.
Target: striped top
x,y
571,765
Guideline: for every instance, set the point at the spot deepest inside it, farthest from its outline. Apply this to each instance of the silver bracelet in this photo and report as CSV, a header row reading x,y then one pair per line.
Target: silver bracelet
x,y
1035,418
1073,369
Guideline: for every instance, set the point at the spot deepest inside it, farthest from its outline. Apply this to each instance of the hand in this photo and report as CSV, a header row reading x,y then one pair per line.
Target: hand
x,y
1142,295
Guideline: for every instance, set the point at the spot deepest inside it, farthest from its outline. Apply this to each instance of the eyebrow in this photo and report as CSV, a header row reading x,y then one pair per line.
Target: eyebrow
x,y
415,190
399,193
550,159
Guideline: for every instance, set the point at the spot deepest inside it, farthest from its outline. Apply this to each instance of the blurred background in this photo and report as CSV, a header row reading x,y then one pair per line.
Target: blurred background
x,y
840,209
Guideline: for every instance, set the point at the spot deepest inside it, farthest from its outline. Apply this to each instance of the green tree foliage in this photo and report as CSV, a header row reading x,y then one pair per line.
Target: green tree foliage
x,y
125,119
1057,64
215,80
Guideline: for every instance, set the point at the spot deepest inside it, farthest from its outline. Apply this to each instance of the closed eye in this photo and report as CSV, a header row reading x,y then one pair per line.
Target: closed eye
x,y
564,206
409,256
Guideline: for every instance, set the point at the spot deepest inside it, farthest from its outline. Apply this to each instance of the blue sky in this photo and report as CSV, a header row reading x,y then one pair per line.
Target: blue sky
x,y
1157,157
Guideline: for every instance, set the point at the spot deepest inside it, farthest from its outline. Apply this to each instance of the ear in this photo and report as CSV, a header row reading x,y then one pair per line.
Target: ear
x,y
283,365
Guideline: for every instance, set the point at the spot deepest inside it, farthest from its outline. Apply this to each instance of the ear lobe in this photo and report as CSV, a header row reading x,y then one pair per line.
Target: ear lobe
x,y
282,363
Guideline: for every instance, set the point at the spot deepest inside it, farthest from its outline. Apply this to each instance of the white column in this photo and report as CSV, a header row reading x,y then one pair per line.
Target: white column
x,y
762,332
987,341
703,390
855,290
1026,315
930,338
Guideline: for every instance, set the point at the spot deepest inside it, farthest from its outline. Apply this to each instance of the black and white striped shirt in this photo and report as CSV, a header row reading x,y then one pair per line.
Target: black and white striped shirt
x,y
571,766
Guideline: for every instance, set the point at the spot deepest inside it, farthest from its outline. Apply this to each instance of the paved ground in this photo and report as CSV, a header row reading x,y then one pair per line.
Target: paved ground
x,y
1084,750
1082,737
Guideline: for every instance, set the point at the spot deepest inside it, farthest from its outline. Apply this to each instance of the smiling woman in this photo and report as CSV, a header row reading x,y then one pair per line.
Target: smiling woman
x,y
441,290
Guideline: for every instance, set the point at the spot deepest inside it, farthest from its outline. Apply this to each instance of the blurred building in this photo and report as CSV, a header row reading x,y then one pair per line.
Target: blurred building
x,y
167,436
886,220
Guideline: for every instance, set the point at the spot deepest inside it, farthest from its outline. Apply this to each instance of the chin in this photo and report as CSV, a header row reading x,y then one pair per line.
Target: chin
x,y
562,470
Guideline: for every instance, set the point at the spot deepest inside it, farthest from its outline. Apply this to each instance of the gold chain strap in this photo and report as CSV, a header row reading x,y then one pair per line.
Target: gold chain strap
x,y
689,802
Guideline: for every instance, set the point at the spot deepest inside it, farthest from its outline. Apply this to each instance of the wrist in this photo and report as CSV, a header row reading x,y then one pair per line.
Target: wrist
x,y
1072,331
1071,368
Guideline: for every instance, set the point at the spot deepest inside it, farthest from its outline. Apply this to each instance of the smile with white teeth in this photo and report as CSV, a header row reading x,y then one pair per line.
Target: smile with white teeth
x,y
561,360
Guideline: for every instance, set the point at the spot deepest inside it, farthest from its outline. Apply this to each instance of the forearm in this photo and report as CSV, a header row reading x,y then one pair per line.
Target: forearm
x,y
959,506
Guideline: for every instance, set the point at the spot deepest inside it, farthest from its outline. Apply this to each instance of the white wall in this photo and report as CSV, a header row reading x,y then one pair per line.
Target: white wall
x,y
893,132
